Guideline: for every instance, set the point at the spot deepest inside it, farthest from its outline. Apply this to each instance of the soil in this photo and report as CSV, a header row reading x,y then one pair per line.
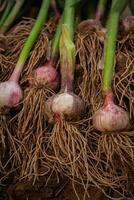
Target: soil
x,y
54,189
47,193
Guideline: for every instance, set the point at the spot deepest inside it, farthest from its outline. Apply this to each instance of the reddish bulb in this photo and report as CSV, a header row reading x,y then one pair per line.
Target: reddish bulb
x,y
65,105
45,76
110,117
10,94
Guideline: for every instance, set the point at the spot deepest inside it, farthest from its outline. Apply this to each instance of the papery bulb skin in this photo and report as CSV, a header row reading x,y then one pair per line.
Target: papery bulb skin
x,y
10,94
45,76
110,117
64,105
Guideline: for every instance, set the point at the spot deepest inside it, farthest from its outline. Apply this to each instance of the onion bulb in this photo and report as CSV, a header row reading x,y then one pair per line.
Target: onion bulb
x,y
10,93
110,117
44,76
66,105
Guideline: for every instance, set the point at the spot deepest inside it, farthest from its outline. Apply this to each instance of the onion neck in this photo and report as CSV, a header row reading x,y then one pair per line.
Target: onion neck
x,y
108,98
16,73
67,83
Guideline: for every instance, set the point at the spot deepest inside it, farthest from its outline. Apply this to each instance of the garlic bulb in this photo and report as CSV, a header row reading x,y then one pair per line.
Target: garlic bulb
x,y
45,76
10,94
110,118
64,105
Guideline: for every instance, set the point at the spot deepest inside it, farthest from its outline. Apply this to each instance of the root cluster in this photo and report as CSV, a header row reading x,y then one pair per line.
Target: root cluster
x,y
75,149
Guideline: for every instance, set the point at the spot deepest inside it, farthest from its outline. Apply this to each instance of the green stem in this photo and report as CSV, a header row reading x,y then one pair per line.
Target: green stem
x,y
69,16
101,4
6,11
110,50
55,42
119,5
67,48
41,18
12,15
35,32
110,44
